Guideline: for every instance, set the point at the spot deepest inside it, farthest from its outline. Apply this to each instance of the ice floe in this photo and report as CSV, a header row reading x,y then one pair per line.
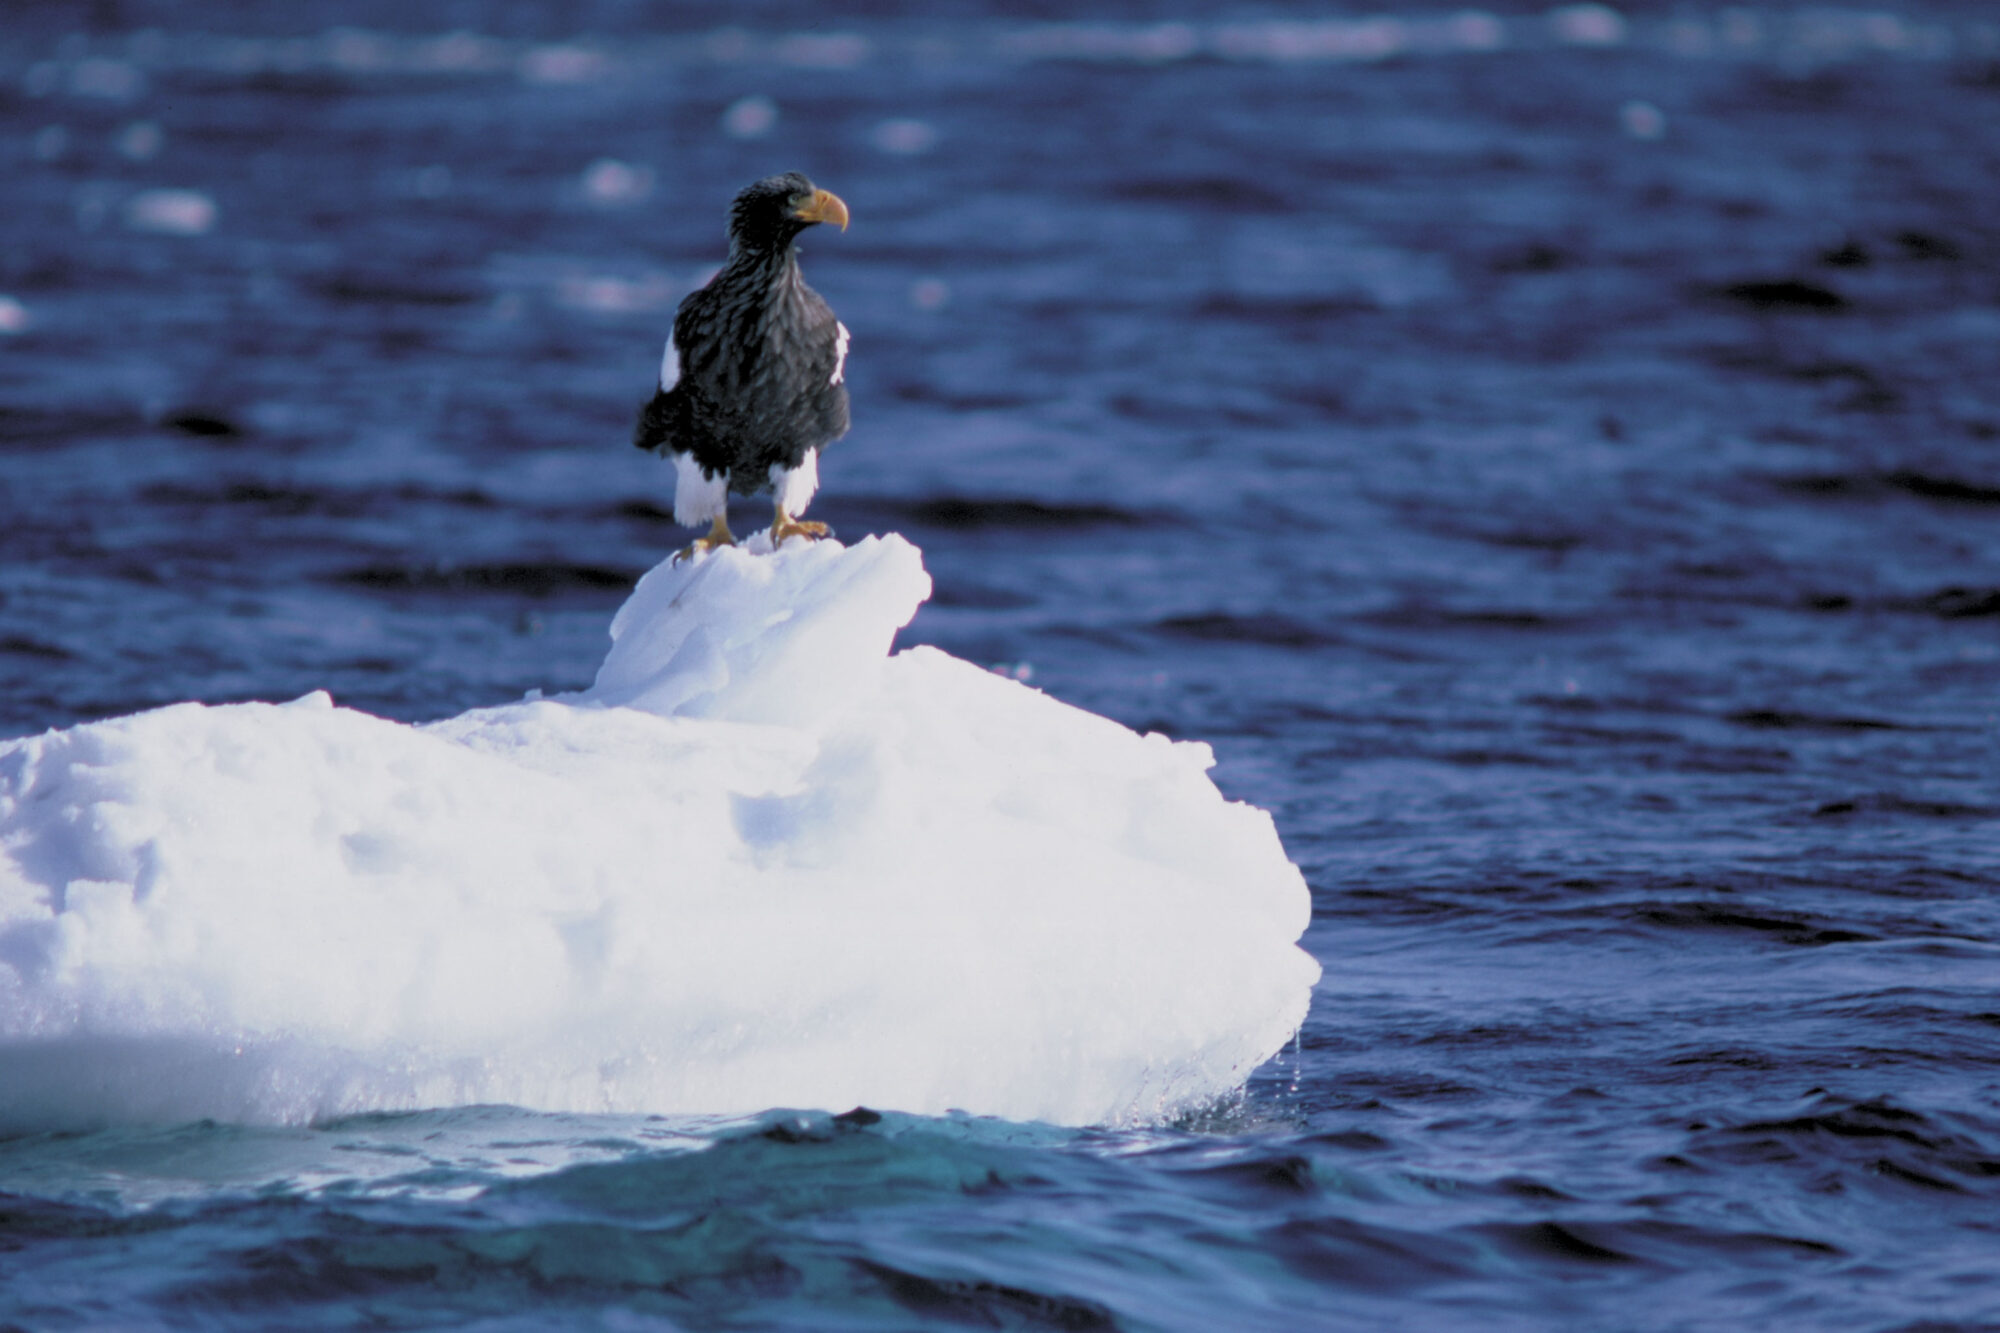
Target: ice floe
x,y
763,861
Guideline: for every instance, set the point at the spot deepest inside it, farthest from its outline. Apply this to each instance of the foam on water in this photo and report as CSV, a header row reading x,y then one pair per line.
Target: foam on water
x,y
761,862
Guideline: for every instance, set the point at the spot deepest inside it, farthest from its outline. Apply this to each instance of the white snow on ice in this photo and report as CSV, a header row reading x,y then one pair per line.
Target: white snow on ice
x,y
761,862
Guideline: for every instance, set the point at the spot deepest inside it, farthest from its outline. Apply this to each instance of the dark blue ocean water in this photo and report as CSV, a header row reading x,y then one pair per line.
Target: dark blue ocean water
x,y
1554,457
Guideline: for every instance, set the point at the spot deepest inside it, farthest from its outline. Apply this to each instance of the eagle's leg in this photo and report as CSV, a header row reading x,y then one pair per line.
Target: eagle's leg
x,y
784,525
793,489
718,535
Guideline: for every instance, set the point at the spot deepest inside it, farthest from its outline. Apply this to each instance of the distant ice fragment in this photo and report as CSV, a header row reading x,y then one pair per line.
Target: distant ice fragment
x,y
141,141
1643,120
171,212
106,79
1587,25
606,293
1144,43
1886,32
904,138
1159,43
559,64
14,317
1476,30
460,52
609,183
750,117
823,50
359,51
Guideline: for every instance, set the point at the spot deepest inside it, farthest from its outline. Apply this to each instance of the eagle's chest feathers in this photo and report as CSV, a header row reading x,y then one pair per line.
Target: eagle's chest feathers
x,y
764,333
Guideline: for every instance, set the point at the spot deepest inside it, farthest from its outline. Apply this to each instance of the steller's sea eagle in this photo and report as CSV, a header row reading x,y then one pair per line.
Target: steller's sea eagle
x,y
751,380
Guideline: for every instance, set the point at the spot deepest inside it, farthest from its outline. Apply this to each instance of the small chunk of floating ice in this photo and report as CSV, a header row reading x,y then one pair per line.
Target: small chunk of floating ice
x,y
904,138
750,117
107,79
562,64
1145,43
612,295
609,183
929,294
1643,120
171,212
1587,25
141,141
817,50
761,862
14,317
1475,30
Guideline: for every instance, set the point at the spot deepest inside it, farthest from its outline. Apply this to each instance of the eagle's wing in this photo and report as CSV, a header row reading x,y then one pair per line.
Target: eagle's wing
x,y
826,385
662,421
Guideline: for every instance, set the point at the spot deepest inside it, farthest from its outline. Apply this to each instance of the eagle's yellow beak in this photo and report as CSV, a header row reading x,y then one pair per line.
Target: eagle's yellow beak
x,y
825,206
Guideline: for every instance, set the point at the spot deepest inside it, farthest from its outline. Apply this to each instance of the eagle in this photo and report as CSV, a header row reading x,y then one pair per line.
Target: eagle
x,y
751,381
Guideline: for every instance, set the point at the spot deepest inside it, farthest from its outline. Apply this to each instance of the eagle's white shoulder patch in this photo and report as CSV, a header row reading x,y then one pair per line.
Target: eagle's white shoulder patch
x,y
670,365
839,352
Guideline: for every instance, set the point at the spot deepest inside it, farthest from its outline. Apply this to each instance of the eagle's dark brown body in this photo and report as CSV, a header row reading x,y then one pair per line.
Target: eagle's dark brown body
x,y
752,380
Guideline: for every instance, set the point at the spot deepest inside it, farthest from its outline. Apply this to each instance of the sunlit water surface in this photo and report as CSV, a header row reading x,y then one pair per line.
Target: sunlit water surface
x,y
1552,456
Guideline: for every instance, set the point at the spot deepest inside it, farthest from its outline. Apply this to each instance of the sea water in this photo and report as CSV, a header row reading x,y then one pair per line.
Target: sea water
x,y
1547,453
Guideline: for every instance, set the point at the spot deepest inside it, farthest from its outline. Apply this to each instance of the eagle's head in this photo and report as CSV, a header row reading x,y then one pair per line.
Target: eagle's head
x,y
769,214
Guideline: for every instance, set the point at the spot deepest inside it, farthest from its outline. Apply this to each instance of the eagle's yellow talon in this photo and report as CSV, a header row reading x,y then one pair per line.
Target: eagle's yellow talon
x,y
718,535
787,526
